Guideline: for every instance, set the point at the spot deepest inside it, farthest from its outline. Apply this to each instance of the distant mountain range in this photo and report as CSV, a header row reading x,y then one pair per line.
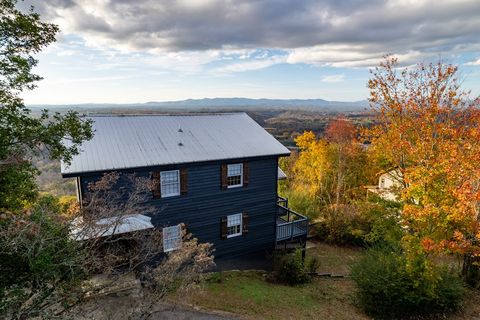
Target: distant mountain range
x,y
228,104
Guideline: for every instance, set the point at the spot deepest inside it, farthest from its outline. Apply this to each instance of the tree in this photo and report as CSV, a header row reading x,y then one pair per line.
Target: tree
x,y
429,128
23,135
341,133
333,168
54,256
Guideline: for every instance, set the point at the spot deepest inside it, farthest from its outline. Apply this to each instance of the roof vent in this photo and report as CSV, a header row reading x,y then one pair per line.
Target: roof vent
x,y
180,144
180,130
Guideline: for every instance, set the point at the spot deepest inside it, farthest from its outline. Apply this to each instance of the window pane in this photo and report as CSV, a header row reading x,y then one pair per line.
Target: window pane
x,y
234,174
170,183
234,169
234,225
172,238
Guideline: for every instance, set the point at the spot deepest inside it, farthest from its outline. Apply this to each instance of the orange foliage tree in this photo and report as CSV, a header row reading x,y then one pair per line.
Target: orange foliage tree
x,y
341,133
430,129
330,168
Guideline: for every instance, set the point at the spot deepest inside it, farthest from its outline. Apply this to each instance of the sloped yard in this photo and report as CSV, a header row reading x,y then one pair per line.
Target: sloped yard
x,y
251,296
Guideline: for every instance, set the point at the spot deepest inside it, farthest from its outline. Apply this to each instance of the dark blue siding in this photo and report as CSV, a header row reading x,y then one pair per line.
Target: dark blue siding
x,y
205,203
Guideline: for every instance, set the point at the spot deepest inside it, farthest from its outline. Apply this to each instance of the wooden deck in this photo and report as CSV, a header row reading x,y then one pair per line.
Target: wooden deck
x,y
290,224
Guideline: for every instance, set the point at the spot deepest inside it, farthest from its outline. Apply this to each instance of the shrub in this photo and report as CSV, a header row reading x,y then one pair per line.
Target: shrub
x,y
290,269
38,256
361,223
387,289
343,225
312,264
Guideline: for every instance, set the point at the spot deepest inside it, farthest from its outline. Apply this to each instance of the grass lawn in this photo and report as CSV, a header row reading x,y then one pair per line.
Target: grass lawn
x,y
249,295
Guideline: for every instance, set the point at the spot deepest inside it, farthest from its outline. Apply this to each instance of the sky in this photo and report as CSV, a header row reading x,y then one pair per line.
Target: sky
x,y
122,51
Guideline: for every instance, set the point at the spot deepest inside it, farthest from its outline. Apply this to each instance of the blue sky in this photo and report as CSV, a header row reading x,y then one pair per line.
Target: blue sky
x,y
123,51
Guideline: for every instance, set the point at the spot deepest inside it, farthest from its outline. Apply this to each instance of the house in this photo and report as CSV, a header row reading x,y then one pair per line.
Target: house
x,y
389,185
215,173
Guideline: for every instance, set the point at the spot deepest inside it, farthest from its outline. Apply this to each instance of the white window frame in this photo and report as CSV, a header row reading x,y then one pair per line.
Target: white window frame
x,y
235,217
166,195
174,242
231,175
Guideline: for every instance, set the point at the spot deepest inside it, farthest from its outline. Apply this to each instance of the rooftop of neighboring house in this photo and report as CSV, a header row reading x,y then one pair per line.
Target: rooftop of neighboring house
x,y
134,141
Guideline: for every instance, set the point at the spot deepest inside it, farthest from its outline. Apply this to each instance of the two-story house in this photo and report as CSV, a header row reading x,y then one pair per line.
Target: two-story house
x,y
216,173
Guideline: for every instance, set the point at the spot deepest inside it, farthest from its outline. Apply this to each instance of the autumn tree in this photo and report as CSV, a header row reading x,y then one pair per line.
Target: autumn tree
x,y
331,168
428,128
340,133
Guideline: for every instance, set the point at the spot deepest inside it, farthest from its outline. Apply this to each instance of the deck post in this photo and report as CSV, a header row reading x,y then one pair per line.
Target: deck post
x,y
304,250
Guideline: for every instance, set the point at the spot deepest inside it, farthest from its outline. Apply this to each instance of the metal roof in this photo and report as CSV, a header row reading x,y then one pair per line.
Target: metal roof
x,y
109,226
122,142
280,174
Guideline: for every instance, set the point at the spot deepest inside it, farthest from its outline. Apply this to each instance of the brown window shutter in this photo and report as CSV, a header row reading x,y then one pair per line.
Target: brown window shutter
x,y
223,227
244,223
246,174
223,177
156,185
183,181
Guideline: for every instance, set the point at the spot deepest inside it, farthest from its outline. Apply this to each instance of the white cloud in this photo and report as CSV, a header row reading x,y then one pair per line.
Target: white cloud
x,y
334,78
186,35
473,63
255,64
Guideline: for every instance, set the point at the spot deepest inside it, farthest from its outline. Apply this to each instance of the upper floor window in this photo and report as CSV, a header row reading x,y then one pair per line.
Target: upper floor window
x,y
170,183
235,175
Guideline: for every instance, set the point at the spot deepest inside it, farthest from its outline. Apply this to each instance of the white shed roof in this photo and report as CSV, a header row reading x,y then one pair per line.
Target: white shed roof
x,y
122,142
110,226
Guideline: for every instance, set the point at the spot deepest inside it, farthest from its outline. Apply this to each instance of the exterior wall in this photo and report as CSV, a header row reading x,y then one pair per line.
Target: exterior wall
x,y
205,203
390,180
389,184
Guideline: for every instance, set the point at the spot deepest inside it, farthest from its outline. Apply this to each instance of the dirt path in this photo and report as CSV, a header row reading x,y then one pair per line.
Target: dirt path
x,y
123,308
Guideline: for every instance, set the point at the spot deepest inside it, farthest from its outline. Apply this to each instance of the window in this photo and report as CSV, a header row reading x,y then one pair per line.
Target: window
x,y
170,183
172,238
234,225
382,183
235,175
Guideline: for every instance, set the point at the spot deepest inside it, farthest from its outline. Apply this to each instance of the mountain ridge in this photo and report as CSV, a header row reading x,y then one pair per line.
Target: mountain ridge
x,y
228,103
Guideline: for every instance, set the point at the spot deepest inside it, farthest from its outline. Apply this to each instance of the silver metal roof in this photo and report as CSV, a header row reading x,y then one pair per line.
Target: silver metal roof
x,y
281,174
122,142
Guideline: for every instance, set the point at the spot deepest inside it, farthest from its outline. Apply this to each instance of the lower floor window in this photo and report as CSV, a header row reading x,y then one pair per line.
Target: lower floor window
x,y
172,238
234,225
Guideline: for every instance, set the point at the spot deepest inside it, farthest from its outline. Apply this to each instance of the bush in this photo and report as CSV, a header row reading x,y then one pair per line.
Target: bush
x,y
361,223
37,257
290,269
312,264
386,289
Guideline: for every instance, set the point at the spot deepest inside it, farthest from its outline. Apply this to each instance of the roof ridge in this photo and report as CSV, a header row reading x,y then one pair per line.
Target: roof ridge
x,y
187,114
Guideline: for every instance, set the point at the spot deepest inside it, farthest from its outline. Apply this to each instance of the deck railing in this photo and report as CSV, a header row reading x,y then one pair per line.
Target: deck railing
x,y
290,224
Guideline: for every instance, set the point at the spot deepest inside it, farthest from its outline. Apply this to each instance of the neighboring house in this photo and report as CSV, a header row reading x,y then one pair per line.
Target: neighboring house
x,y
390,183
216,173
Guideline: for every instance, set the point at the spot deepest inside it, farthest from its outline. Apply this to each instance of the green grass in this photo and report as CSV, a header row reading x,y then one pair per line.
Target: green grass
x,y
250,295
